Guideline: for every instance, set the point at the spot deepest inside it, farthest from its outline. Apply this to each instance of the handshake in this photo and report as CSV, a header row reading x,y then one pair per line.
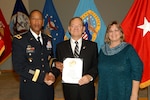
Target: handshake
x,y
49,78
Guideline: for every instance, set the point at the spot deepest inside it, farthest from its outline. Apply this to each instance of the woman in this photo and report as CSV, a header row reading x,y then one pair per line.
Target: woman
x,y
120,68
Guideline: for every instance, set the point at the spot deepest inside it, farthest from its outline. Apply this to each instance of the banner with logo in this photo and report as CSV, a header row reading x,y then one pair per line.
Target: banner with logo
x,y
19,22
95,26
52,24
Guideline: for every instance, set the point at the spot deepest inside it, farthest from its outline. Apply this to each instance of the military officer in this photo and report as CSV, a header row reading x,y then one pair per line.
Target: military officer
x,y
32,60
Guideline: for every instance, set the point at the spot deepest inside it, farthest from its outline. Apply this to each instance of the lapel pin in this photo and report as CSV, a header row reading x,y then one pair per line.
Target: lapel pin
x,y
84,47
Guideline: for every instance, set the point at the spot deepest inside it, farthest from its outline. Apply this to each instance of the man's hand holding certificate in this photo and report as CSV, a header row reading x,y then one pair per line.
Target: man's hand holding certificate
x,y
72,70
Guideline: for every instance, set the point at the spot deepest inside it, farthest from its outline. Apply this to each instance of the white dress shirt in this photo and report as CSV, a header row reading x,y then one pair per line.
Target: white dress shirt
x,y
73,44
36,36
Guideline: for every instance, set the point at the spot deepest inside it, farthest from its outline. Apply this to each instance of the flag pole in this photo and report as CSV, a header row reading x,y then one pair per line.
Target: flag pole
x,y
148,92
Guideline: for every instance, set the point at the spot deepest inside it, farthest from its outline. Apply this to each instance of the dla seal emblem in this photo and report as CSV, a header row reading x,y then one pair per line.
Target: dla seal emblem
x,y
92,23
19,23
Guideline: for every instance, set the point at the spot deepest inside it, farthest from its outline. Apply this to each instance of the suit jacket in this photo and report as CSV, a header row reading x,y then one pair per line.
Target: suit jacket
x,y
89,54
31,61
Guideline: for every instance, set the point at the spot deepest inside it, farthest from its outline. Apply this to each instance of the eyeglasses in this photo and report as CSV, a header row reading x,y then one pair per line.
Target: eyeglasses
x,y
114,31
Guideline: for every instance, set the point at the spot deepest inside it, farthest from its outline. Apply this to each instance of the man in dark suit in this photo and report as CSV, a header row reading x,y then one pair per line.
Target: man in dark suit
x,y
32,60
88,52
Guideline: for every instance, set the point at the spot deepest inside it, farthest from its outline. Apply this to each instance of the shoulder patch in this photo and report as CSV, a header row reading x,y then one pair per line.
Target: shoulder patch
x,y
18,36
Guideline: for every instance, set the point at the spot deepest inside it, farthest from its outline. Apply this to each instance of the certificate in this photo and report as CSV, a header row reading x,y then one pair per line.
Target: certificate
x,y
72,71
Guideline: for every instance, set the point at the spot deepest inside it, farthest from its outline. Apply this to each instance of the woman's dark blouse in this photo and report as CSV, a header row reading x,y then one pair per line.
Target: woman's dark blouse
x,y
116,73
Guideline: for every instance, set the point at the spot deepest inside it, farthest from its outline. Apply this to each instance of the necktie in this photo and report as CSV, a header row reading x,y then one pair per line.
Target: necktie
x,y
39,41
76,50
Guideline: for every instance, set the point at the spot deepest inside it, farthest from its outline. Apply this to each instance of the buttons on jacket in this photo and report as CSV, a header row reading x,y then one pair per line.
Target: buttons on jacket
x,y
42,59
43,65
29,54
30,59
24,81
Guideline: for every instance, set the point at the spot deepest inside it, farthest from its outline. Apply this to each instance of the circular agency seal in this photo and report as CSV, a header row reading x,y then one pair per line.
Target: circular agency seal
x,y
19,23
94,22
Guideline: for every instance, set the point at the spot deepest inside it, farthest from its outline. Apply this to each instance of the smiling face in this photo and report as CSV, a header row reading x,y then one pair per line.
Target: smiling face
x,y
76,28
36,21
114,34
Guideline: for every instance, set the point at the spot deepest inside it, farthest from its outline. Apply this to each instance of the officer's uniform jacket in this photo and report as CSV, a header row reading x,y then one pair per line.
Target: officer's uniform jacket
x,y
32,61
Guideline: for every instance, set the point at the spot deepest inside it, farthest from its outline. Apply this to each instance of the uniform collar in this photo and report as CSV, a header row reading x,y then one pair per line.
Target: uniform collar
x,y
35,35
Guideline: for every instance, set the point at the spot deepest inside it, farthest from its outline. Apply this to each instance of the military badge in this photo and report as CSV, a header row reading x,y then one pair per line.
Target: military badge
x,y
18,36
49,45
30,49
84,47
